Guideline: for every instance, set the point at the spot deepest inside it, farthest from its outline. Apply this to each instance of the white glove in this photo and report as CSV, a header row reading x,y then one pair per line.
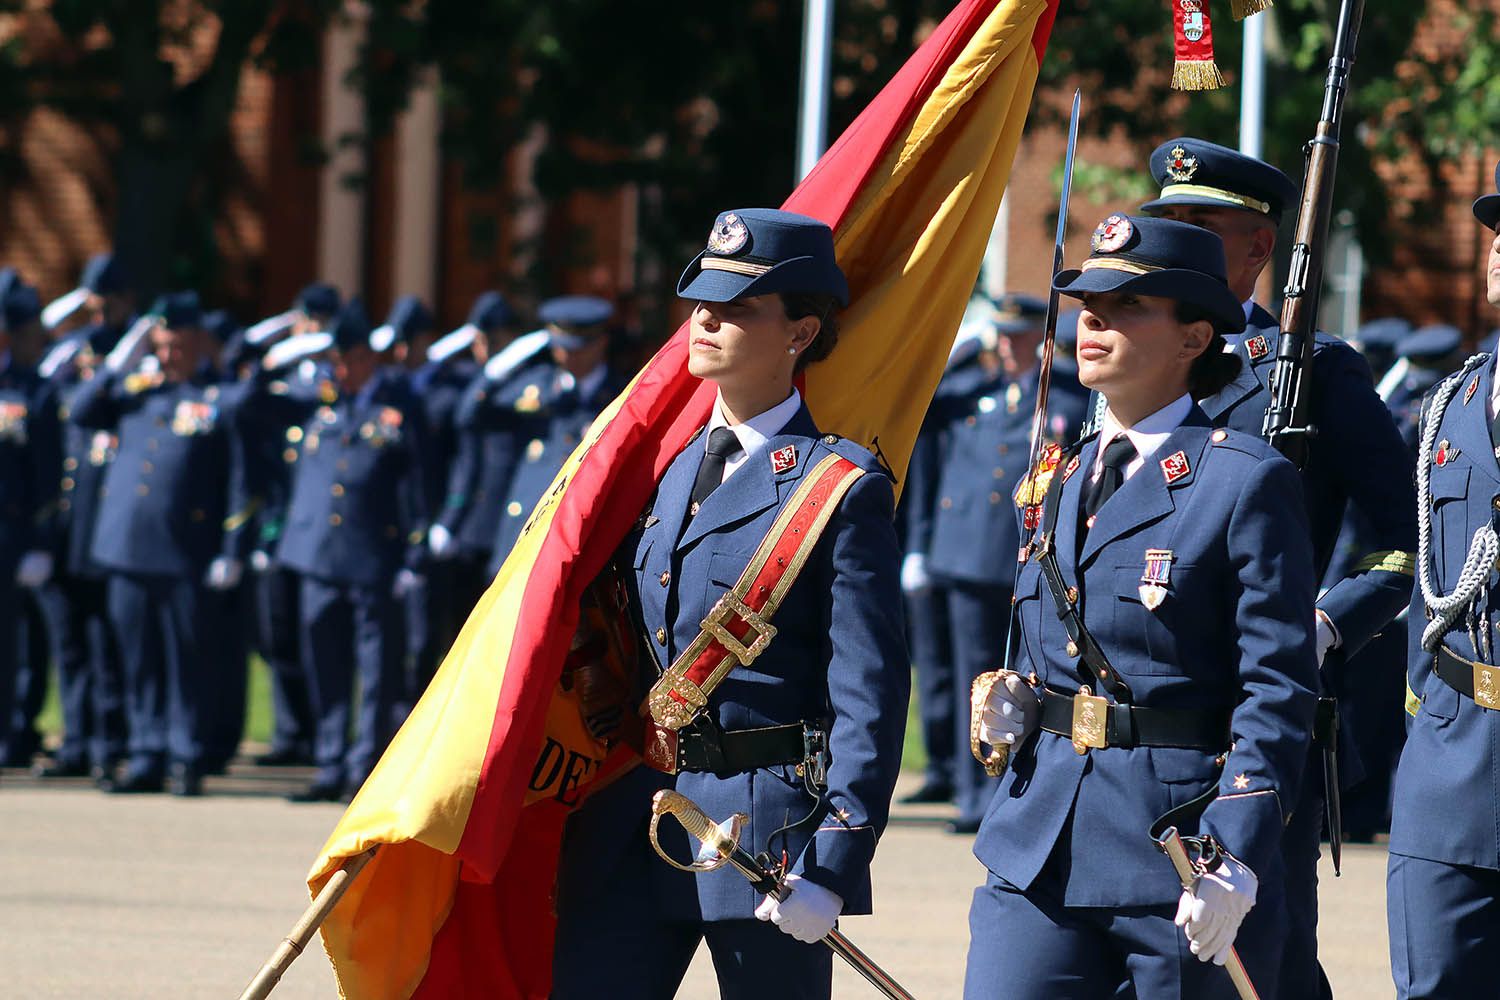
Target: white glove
x,y
127,354
224,573
439,541
260,560
808,912
1010,712
406,581
1211,912
1327,636
34,569
914,578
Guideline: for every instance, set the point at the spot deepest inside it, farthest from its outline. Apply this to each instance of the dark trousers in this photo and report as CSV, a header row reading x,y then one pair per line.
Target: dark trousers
x,y
228,687
1444,923
10,615
351,632
278,597
32,675
1025,945
89,677
1372,710
167,628
931,650
977,618
1302,977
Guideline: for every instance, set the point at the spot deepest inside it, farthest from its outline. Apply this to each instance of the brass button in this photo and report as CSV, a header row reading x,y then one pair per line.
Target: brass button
x,y
335,520
994,498
1003,449
197,514
64,504
1219,435
152,444
342,465
1072,595
946,503
68,483
661,636
970,421
1496,501
142,489
294,434
337,489
290,455
999,472
666,577
513,508
147,468
1072,648
70,463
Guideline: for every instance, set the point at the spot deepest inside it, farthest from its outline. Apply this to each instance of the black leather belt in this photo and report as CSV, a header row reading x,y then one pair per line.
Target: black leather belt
x,y
703,746
1091,721
1478,681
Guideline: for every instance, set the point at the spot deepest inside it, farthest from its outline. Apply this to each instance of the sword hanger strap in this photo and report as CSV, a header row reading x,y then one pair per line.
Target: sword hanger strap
x,y
1094,664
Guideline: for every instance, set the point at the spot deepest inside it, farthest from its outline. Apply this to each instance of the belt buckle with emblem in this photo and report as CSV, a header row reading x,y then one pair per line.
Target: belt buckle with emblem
x,y
660,748
1487,686
1158,573
1089,713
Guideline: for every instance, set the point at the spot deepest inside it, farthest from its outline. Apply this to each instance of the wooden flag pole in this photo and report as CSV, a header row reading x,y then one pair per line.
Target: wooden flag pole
x,y
306,926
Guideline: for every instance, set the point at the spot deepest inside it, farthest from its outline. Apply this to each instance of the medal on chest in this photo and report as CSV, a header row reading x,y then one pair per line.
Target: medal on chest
x,y
13,422
1154,580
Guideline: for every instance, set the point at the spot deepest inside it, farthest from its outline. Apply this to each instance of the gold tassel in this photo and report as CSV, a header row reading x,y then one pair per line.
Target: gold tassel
x,y
1241,9
1196,74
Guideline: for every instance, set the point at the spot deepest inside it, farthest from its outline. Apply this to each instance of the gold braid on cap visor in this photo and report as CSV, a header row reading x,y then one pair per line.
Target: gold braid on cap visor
x,y
1218,194
734,266
1119,264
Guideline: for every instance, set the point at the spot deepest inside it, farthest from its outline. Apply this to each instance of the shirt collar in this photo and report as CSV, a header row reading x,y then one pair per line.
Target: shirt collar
x,y
1149,433
755,432
1249,306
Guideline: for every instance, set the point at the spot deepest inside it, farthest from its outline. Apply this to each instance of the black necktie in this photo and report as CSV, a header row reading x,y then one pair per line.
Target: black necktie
x,y
1117,456
722,446
1495,434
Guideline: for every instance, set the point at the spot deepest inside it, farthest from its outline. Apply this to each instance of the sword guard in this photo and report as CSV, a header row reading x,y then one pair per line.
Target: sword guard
x,y
997,758
718,840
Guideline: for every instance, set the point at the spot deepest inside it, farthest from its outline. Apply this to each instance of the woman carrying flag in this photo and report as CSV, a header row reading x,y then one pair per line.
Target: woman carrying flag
x,y
1164,672
765,571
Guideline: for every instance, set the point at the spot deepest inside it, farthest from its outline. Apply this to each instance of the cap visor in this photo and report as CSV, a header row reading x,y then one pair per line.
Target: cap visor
x,y
1155,207
1211,295
382,337
270,328
517,352
60,309
1487,210
450,344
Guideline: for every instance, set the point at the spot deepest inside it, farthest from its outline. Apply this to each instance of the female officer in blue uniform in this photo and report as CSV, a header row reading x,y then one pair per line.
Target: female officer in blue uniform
x,y
836,670
1184,551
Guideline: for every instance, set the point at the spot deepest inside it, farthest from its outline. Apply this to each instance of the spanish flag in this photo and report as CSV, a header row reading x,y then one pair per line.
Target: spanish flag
x,y
469,801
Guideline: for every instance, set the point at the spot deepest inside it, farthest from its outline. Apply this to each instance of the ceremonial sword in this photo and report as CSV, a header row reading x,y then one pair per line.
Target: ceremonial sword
x,y
1171,843
722,841
997,758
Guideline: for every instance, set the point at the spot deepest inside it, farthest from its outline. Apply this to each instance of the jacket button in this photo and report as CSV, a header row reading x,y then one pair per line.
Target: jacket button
x,y
666,577
1003,449
337,489
999,472
152,444
289,456
142,489
970,421
67,482
342,465
335,520
70,463
513,508
946,503
64,504
294,434
994,498
661,636
147,468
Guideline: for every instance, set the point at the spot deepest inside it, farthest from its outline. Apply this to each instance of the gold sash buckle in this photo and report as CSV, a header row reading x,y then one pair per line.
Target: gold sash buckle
x,y
731,604
1089,713
1486,685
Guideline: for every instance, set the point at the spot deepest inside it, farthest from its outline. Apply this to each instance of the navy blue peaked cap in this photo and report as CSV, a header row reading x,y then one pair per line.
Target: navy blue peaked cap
x,y
104,275
575,310
756,251
351,327
177,310
221,325
1383,333
408,318
318,299
1436,341
491,312
21,305
1016,311
1487,207
1160,257
1197,172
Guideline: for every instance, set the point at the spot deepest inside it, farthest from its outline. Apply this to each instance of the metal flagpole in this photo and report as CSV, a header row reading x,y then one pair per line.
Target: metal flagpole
x,y
1253,87
817,57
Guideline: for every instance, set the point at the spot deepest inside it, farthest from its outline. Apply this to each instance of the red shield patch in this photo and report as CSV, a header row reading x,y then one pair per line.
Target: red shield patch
x,y
783,459
1257,348
1071,468
1469,392
1174,467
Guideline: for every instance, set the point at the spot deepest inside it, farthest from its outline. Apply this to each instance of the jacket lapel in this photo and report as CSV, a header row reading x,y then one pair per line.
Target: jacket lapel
x,y
1147,496
1469,423
676,487
1066,533
1244,385
755,486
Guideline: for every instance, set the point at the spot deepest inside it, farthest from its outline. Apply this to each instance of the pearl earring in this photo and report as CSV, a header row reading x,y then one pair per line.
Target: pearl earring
x,y
791,350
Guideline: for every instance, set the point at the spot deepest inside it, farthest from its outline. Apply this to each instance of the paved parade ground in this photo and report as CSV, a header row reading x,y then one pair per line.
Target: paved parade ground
x,y
126,897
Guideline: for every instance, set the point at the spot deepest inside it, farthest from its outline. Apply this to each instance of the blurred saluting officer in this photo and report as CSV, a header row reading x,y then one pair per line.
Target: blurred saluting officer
x,y
159,527
1165,662
355,534
1443,884
1356,459
829,689
582,384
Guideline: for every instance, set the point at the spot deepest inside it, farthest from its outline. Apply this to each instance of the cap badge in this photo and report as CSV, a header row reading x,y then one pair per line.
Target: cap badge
x,y
1112,234
1158,573
1175,466
1181,165
729,234
1469,392
784,459
1257,347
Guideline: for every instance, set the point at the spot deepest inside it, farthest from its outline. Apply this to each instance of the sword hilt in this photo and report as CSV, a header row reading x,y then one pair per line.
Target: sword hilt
x,y
997,758
721,839
1170,841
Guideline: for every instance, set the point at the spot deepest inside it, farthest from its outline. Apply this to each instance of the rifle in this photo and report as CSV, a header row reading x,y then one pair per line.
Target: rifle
x,y
1286,426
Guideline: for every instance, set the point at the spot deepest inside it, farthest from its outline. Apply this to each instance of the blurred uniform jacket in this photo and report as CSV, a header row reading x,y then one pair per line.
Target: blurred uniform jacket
x,y
30,461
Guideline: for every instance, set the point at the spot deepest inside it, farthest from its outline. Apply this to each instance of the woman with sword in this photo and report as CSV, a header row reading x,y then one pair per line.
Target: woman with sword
x,y
1164,671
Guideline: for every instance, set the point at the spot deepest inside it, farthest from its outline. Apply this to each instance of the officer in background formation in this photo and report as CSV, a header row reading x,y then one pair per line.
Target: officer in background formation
x,y
973,540
1356,459
159,533
1425,356
971,365
582,384
499,413
1443,881
355,534
74,600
